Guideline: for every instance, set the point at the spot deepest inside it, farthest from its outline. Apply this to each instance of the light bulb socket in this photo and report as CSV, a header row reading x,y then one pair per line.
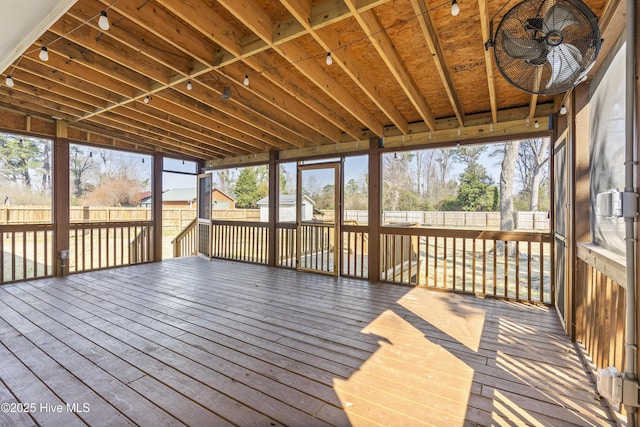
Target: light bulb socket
x,y
103,21
44,54
455,9
9,81
329,59
246,80
226,93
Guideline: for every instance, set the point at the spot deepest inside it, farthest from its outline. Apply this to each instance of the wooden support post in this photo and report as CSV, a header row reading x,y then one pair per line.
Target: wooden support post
x,y
273,207
61,200
156,206
375,197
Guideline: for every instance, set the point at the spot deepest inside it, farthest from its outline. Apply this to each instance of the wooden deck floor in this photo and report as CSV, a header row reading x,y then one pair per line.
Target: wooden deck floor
x,y
201,343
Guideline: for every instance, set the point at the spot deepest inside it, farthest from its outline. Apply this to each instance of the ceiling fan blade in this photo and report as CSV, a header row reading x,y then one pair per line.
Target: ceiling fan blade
x,y
565,60
558,17
525,49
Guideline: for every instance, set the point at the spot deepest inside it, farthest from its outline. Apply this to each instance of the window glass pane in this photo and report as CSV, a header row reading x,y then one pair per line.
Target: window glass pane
x,y
241,194
177,165
287,187
461,186
356,190
109,185
25,179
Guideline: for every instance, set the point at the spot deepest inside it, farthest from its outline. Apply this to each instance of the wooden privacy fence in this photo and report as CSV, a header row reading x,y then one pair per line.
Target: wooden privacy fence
x,y
600,306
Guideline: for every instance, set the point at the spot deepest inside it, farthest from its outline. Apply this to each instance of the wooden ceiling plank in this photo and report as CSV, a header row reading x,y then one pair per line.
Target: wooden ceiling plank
x,y
431,36
215,114
107,47
485,20
285,103
43,106
387,51
349,64
160,131
93,62
156,20
201,17
252,16
250,116
146,114
175,106
127,33
38,75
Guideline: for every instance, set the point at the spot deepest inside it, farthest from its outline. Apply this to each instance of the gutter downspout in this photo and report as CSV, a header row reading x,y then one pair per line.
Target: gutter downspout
x,y
631,347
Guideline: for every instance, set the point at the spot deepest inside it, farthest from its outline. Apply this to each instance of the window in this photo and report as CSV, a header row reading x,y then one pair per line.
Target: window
x,y
241,194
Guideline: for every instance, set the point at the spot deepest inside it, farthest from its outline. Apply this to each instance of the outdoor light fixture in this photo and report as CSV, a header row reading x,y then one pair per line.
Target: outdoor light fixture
x,y
103,21
329,59
189,85
226,93
246,80
44,54
9,81
455,9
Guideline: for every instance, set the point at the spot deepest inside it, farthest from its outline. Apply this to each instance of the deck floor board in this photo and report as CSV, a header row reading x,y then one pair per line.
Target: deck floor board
x,y
193,342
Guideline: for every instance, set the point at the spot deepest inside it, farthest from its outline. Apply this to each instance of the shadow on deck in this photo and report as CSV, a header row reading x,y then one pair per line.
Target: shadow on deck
x,y
188,341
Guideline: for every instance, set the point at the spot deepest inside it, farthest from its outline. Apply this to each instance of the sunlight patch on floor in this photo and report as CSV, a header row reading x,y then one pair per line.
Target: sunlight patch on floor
x,y
409,380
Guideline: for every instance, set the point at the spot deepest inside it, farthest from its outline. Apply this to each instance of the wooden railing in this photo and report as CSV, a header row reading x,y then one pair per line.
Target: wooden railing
x,y
186,242
317,245
286,244
26,252
512,265
355,251
94,246
240,241
600,306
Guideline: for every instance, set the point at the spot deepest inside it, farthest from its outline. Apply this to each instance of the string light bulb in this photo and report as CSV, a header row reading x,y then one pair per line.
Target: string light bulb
x,y
455,9
329,59
536,124
9,81
103,21
246,80
563,110
189,85
44,54
147,99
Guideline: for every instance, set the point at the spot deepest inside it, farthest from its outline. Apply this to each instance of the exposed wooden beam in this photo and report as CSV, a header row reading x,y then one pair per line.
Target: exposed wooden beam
x,y
351,65
488,57
431,36
387,51
253,17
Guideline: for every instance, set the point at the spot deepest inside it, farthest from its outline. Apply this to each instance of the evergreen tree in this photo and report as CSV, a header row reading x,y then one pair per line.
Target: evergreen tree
x,y
19,158
246,189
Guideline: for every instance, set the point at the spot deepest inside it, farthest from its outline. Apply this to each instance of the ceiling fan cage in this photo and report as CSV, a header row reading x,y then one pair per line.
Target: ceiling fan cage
x,y
547,46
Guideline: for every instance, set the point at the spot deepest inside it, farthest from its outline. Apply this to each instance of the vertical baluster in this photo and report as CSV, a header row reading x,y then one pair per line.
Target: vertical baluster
x,y
517,243
24,254
13,255
542,274
473,264
484,266
506,268
495,267
445,264
35,253
2,233
435,261
529,283
106,245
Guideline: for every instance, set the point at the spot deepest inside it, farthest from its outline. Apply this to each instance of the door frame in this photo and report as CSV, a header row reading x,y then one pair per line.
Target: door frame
x,y
336,166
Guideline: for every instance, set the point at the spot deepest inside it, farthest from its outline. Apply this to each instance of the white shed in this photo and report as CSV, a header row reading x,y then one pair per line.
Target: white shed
x,y
287,209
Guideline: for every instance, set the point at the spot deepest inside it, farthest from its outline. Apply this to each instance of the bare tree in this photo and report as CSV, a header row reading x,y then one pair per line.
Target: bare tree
x,y
506,184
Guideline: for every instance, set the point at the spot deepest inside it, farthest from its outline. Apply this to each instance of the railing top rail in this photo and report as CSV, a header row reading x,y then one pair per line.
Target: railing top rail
x,y
354,228
187,229
240,223
108,224
609,263
8,228
523,236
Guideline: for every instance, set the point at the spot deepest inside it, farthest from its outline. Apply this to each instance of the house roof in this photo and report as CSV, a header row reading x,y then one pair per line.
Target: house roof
x,y
180,195
400,67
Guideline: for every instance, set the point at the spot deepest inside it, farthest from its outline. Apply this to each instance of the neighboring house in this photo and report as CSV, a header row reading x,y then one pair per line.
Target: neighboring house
x,y
222,200
187,197
287,209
